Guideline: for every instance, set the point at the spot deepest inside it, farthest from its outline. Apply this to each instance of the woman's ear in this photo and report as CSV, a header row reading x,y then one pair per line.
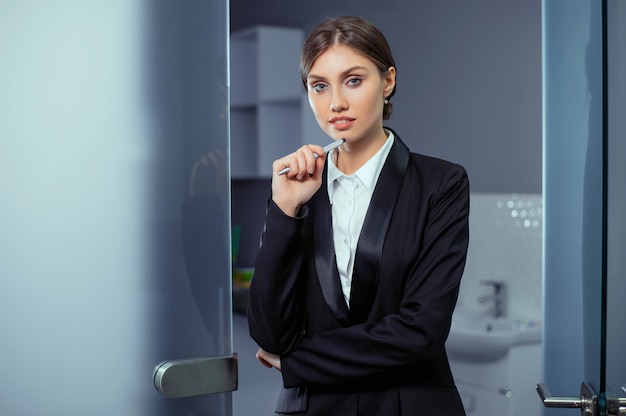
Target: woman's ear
x,y
390,81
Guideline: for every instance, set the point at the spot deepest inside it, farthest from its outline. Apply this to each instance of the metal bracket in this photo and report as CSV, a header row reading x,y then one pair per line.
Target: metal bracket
x,y
615,406
196,377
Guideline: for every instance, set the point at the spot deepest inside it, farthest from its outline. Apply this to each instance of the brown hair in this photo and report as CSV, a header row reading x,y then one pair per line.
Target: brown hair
x,y
354,32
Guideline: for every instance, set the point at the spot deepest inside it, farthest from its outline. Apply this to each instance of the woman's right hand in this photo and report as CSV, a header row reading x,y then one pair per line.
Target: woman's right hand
x,y
293,189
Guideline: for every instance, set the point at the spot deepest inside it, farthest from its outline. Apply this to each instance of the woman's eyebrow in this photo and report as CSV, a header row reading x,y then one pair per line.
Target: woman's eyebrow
x,y
343,74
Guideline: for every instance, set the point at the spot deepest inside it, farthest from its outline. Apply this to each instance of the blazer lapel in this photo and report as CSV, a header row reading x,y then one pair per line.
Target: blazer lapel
x,y
325,261
372,238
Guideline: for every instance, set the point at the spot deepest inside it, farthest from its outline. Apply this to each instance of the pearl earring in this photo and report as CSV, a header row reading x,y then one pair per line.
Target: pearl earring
x,y
386,101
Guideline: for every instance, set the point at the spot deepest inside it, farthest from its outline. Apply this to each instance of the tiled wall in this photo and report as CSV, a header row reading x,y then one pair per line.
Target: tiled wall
x,y
505,245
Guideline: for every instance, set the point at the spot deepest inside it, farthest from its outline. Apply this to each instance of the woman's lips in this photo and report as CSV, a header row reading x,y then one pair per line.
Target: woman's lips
x,y
341,123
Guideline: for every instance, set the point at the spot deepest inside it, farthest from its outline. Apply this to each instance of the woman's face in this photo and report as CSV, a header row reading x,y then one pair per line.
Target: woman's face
x,y
346,92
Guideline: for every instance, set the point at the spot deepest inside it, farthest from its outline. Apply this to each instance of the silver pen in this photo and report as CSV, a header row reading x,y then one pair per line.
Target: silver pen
x,y
327,149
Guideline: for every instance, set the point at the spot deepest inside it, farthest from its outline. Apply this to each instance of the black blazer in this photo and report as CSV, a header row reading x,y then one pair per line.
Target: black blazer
x,y
385,355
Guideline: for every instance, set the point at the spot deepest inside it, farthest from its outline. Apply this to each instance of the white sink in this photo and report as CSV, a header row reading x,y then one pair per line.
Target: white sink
x,y
487,339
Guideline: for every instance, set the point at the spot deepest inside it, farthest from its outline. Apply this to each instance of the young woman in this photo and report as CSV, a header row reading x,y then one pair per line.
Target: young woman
x,y
363,250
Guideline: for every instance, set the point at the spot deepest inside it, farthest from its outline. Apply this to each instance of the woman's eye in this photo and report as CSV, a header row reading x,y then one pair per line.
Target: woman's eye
x,y
318,87
354,81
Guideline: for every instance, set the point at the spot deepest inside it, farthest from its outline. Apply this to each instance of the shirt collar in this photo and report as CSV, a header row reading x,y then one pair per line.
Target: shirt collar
x,y
367,174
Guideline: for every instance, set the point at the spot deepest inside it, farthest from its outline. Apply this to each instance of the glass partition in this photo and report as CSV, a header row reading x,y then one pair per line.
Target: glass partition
x,y
585,231
616,172
115,203
572,189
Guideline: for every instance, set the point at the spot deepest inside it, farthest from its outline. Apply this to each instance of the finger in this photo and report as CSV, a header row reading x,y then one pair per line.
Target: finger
x,y
305,157
319,156
282,166
319,167
263,361
299,163
301,159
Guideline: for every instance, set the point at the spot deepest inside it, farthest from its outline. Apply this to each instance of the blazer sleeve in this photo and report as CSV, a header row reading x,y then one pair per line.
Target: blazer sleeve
x,y
416,332
275,317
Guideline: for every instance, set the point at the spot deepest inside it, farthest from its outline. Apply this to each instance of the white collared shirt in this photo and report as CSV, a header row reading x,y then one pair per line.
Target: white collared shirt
x,y
350,197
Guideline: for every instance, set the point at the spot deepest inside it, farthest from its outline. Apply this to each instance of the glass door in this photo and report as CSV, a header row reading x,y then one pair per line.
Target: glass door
x,y
115,215
616,201
583,66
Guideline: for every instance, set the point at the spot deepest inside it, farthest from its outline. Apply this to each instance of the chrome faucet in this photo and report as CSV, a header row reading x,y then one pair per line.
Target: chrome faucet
x,y
498,297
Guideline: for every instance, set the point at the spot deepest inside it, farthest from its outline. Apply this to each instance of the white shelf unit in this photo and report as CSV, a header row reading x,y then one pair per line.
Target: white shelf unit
x,y
266,98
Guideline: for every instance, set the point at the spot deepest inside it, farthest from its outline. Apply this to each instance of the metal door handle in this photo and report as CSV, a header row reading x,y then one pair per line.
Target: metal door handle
x,y
586,402
552,401
195,377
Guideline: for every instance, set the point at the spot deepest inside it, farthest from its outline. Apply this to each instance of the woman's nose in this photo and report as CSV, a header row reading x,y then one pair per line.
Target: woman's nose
x,y
338,103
